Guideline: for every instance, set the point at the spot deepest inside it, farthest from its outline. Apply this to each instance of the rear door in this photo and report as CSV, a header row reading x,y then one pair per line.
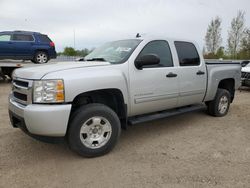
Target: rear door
x,y
6,47
23,45
193,75
151,88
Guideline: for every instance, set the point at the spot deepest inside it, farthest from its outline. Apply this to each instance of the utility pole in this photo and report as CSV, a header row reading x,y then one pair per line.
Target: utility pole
x,y
74,39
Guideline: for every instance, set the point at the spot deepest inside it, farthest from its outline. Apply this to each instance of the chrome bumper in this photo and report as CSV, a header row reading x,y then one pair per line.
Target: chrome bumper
x,y
41,119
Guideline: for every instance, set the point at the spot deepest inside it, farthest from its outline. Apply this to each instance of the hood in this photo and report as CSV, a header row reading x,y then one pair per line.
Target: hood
x,y
38,71
245,69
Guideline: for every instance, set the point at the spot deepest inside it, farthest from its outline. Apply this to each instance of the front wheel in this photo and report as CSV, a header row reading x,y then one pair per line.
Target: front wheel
x,y
220,105
41,57
94,130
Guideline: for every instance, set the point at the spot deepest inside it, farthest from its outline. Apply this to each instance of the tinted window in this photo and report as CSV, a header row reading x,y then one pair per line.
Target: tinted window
x,y
4,37
162,50
21,37
187,54
44,38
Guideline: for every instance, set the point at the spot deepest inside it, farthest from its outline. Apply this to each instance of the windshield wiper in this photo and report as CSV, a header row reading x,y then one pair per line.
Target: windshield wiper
x,y
96,59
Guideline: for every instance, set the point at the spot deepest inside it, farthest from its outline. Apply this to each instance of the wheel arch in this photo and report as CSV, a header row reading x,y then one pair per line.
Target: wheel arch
x,y
41,50
111,97
229,85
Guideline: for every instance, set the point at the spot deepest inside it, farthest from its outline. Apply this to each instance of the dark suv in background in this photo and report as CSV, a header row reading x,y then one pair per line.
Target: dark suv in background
x,y
26,45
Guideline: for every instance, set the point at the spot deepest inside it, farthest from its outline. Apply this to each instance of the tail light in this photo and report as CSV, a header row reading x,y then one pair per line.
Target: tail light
x,y
52,44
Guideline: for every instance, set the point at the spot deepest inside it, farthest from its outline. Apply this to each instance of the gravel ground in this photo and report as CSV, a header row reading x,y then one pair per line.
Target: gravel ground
x,y
190,150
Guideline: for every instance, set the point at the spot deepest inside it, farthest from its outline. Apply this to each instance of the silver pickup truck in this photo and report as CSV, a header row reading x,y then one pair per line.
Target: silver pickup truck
x,y
120,83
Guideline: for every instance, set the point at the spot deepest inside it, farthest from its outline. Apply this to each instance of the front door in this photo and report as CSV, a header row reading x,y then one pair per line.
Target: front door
x,y
154,88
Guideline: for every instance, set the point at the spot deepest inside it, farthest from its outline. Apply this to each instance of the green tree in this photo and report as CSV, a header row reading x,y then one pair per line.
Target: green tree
x,y
220,52
213,38
245,46
235,34
83,52
69,51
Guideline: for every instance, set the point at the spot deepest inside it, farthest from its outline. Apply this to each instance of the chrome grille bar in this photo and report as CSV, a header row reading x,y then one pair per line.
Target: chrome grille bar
x,y
19,87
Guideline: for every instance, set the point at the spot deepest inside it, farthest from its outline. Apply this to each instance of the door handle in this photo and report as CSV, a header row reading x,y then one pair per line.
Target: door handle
x,y
171,75
200,72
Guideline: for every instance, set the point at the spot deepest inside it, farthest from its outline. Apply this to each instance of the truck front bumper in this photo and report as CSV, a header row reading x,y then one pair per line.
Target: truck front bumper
x,y
40,119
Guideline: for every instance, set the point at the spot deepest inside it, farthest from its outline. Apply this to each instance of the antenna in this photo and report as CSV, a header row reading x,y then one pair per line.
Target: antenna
x,y
138,35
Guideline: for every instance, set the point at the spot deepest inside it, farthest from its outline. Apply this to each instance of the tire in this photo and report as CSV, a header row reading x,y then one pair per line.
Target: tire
x,y
41,57
83,134
220,105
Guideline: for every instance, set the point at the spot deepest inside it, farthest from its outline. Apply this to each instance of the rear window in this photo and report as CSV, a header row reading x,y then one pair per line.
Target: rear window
x,y
44,38
22,37
187,54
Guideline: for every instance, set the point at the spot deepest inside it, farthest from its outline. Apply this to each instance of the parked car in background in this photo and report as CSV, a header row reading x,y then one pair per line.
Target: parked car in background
x,y
26,45
245,63
245,75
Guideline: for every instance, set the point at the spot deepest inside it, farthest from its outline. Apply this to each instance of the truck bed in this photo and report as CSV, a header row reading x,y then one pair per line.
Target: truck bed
x,y
217,71
217,61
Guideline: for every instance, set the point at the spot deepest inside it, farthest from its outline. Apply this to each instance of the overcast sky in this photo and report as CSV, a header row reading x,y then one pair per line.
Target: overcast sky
x,y
98,21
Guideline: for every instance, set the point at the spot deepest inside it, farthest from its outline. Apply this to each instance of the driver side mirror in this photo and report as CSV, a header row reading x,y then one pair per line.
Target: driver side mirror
x,y
148,59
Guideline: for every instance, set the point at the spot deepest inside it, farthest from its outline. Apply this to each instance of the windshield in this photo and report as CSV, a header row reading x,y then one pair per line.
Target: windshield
x,y
114,52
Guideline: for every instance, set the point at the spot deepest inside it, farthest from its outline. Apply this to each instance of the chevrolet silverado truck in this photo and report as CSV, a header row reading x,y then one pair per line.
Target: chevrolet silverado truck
x,y
120,83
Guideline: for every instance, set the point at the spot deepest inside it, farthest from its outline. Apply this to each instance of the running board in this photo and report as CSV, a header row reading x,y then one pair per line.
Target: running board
x,y
164,114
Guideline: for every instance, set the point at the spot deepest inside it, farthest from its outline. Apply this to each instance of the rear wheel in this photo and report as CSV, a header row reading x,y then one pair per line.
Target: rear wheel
x,y
41,57
94,130
220,105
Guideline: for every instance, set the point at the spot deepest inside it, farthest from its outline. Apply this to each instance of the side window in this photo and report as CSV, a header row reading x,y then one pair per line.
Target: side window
x,y
187,54
21,37
162,50
5,38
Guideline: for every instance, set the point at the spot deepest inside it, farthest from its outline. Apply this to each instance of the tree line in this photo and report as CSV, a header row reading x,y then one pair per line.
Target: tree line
x,y
238,39
70,51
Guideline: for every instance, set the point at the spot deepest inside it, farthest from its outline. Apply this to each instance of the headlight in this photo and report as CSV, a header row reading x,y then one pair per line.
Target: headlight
x,y
48,91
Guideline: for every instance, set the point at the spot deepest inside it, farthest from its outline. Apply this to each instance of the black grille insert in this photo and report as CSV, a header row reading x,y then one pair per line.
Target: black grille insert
x,y
245,75
21,83
20,96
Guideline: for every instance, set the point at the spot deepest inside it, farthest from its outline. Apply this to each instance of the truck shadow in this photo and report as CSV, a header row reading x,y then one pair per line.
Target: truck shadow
x,y
164,126
133,136
244,88
5,81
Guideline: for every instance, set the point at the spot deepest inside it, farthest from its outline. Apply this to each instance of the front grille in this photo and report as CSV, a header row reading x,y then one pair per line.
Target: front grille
x,y
21,83
22,91
245,75
20,96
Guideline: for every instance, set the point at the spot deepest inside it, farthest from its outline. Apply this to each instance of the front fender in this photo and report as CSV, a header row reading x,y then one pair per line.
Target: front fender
x,y
83,80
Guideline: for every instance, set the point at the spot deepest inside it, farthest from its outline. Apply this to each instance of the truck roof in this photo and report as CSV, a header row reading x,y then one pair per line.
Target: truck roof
x,y
161,37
